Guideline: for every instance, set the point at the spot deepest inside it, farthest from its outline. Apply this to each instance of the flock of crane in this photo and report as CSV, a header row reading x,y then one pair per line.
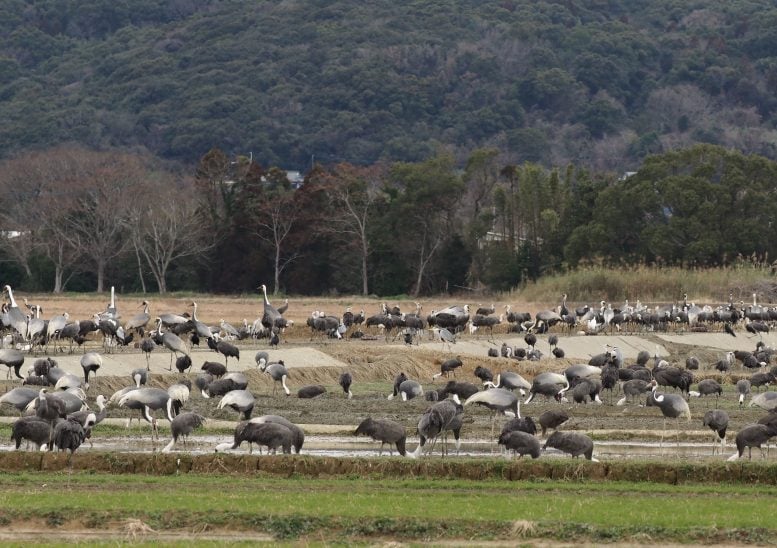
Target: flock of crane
x,y
55,415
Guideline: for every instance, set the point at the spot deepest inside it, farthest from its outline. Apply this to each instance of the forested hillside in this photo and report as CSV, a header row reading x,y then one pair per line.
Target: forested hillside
x,y
598,84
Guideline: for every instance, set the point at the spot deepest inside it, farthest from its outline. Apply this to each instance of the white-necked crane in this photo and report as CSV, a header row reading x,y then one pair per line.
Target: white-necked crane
x,y
17,319
672,406
242,401
279,374
90,363
147,400
497,400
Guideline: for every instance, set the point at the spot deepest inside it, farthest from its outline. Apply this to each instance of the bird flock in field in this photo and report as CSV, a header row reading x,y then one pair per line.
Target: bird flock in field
x,y
55,414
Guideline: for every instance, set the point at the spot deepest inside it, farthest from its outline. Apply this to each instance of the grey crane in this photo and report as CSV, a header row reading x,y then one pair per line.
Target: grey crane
x,y
13,359
520,443
743,389
764,400
497,400
717,421
448,366
90,363
444,336
270,434
68,436
672,406
434,422
297,435
172,342
33,429
345,380
147,346
385,431
19,397
311,391
279,374
707,387
552,418
270,314
572,443
138,322
183,425
510,381
753,435
242,401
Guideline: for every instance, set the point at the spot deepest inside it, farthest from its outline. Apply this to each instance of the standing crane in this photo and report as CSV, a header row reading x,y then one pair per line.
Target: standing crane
x,y
172,342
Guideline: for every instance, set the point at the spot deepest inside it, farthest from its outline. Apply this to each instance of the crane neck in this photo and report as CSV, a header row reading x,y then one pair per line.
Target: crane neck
x,y
10,296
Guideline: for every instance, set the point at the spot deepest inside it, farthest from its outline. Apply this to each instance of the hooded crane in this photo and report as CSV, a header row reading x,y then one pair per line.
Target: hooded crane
x,y
552,418
228,350
520,443
497,400
297,435
434,422
279,374
743,389
672,406
311,391
13,359
183,425
147,346
549,385
717,421
33,429
753,435
573,443
345,380
385,431
448,366
68,436
270,434
707,387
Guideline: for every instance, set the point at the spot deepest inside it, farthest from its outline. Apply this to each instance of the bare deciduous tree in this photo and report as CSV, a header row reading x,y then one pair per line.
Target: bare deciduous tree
x,y
168,229
352,192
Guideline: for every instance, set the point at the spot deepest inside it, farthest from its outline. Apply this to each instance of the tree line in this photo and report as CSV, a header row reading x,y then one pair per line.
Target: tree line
x,y
78,219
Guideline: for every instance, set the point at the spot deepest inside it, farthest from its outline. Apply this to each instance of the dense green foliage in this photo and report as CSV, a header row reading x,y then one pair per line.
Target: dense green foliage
x,y
597,84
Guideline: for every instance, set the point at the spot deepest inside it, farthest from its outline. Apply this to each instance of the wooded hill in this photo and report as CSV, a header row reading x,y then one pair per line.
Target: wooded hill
x,y
598,84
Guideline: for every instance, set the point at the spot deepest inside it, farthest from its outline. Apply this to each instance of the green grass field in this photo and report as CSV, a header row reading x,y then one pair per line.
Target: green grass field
x,y
423,509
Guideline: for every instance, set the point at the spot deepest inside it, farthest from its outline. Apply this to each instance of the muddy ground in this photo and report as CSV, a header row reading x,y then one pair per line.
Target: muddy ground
x,y
374,363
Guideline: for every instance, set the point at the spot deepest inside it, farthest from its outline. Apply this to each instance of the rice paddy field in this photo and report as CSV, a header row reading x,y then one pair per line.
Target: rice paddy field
x,y
651,486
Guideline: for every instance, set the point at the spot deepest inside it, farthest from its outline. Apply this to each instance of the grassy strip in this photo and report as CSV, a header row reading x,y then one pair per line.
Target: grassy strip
x,y
650,283
429,509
